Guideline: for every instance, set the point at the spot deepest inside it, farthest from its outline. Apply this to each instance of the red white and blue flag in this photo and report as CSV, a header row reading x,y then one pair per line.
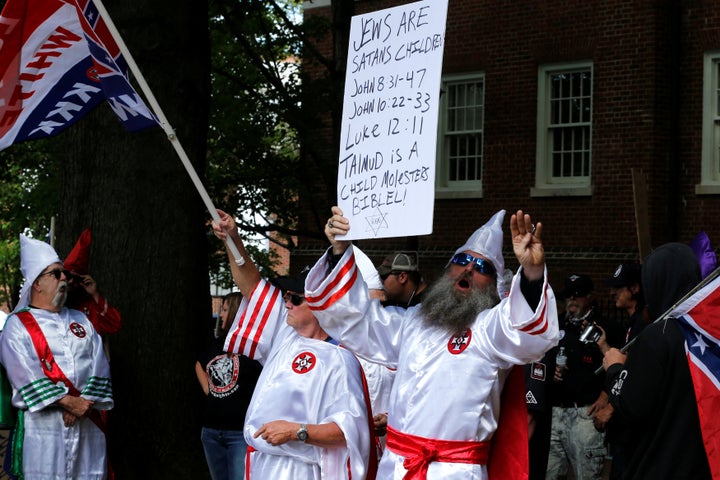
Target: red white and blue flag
x,y
699,319
58,61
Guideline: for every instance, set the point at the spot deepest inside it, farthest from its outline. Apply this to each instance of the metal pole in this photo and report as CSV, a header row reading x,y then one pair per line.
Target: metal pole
x,y
166,126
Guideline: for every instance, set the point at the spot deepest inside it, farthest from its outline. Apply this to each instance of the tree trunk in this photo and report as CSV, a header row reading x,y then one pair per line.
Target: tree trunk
x,y
149,240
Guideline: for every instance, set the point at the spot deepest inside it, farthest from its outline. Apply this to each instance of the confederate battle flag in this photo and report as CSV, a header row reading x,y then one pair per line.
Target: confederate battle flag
x,y
58,61
699,319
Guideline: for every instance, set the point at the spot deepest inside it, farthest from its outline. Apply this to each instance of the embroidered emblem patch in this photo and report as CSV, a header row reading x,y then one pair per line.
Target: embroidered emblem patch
x,y
530,398
78,330
460,342
223,372
304,362
537,371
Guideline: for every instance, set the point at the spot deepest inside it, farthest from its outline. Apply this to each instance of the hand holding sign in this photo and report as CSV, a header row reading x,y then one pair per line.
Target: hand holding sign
x,y
337,225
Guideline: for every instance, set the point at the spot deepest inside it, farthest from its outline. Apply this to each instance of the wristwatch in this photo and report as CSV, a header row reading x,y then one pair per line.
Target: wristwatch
x,y
302,434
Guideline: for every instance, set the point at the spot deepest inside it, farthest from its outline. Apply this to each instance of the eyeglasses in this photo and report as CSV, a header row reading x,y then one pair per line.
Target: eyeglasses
x,y
294,298
480,264
57,273
385,276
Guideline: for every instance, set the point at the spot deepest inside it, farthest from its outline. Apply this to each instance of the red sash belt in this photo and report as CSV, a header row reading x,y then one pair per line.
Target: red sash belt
x,y
420,451
248,451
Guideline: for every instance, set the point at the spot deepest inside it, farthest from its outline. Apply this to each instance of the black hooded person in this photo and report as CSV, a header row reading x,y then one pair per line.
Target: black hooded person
x,y
652,390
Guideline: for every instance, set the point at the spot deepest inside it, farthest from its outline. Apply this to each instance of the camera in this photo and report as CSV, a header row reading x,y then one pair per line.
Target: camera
x,y
591,334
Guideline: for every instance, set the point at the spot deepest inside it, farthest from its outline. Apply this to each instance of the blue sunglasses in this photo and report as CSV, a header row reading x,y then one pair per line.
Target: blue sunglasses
x,y
480,264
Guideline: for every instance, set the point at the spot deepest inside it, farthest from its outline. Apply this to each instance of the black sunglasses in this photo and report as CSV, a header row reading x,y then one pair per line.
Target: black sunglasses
x,y
480,265
385,276
57,273
294,298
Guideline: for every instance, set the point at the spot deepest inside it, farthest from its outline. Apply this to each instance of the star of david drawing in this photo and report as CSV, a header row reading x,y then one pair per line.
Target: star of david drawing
x,y
460,342
377,222
77,330
304,362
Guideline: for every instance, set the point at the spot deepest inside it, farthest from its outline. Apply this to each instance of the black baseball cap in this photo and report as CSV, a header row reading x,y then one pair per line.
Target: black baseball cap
x,y
625,274
295,284
577,285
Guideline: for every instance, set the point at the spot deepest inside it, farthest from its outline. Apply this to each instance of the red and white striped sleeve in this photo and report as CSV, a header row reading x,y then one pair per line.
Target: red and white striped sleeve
x,y
343,277
256,322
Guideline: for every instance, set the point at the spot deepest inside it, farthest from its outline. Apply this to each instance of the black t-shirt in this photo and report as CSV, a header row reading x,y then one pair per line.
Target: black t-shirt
x,y
231,382
581,385
538,376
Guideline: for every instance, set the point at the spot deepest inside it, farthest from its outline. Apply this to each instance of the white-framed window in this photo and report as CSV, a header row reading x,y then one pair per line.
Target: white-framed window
x,y
460,136
710,175
564,130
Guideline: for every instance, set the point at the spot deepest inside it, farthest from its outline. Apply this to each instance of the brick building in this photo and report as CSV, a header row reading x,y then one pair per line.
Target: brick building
x,y
568,99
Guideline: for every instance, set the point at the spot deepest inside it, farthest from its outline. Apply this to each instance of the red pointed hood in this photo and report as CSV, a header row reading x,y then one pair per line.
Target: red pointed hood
x,y
78,260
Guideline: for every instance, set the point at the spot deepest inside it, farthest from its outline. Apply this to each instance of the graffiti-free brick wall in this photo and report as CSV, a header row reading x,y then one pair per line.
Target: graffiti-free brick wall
x,y
647,60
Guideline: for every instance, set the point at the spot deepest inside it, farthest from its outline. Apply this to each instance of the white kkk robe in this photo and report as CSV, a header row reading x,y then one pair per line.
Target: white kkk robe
x,y
379,381
50,449
303,380
447,387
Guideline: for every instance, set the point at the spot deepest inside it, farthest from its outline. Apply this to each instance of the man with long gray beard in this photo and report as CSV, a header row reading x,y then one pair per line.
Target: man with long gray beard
x,y
59,374
453,353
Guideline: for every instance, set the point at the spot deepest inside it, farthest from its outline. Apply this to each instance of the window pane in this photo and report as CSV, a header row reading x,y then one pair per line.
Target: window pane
x,y
716,75
554,112
463,130
452,102
570,107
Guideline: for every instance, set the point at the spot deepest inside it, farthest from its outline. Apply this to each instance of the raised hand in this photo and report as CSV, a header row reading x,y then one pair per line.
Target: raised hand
x,y
527,245
337,224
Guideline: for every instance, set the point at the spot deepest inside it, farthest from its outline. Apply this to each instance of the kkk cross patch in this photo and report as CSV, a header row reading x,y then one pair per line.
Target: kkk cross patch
x,y
460,342
304,362
78,330
537,371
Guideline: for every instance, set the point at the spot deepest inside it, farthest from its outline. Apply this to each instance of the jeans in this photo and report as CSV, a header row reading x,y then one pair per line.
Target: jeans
x,y
574,441
224,453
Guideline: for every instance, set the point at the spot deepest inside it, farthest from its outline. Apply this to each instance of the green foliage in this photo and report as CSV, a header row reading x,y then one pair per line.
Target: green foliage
x,y
257,116
28,201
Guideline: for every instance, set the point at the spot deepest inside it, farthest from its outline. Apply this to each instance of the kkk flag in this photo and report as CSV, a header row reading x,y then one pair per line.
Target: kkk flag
x,y
699,319
58,61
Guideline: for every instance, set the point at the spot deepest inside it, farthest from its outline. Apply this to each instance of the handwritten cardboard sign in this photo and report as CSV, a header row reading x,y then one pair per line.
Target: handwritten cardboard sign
x,y
386,174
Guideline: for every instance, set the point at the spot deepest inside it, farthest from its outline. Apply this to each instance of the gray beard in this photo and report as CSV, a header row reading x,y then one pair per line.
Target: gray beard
x,y
60,296
446,308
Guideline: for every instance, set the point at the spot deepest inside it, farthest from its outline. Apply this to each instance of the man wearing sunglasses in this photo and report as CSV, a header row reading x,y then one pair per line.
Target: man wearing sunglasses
x,y
402,281
308,417
453,353
43,346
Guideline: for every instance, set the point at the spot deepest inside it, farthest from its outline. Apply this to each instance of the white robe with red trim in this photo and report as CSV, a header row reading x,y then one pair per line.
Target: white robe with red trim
x,y
446,387
303,380
379,380
50,449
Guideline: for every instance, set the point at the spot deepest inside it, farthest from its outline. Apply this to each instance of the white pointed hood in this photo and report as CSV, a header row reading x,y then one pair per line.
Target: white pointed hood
x,y
35,256
488,241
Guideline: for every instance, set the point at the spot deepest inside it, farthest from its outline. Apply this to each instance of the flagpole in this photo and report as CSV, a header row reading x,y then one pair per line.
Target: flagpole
x,y
169,131
705,281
